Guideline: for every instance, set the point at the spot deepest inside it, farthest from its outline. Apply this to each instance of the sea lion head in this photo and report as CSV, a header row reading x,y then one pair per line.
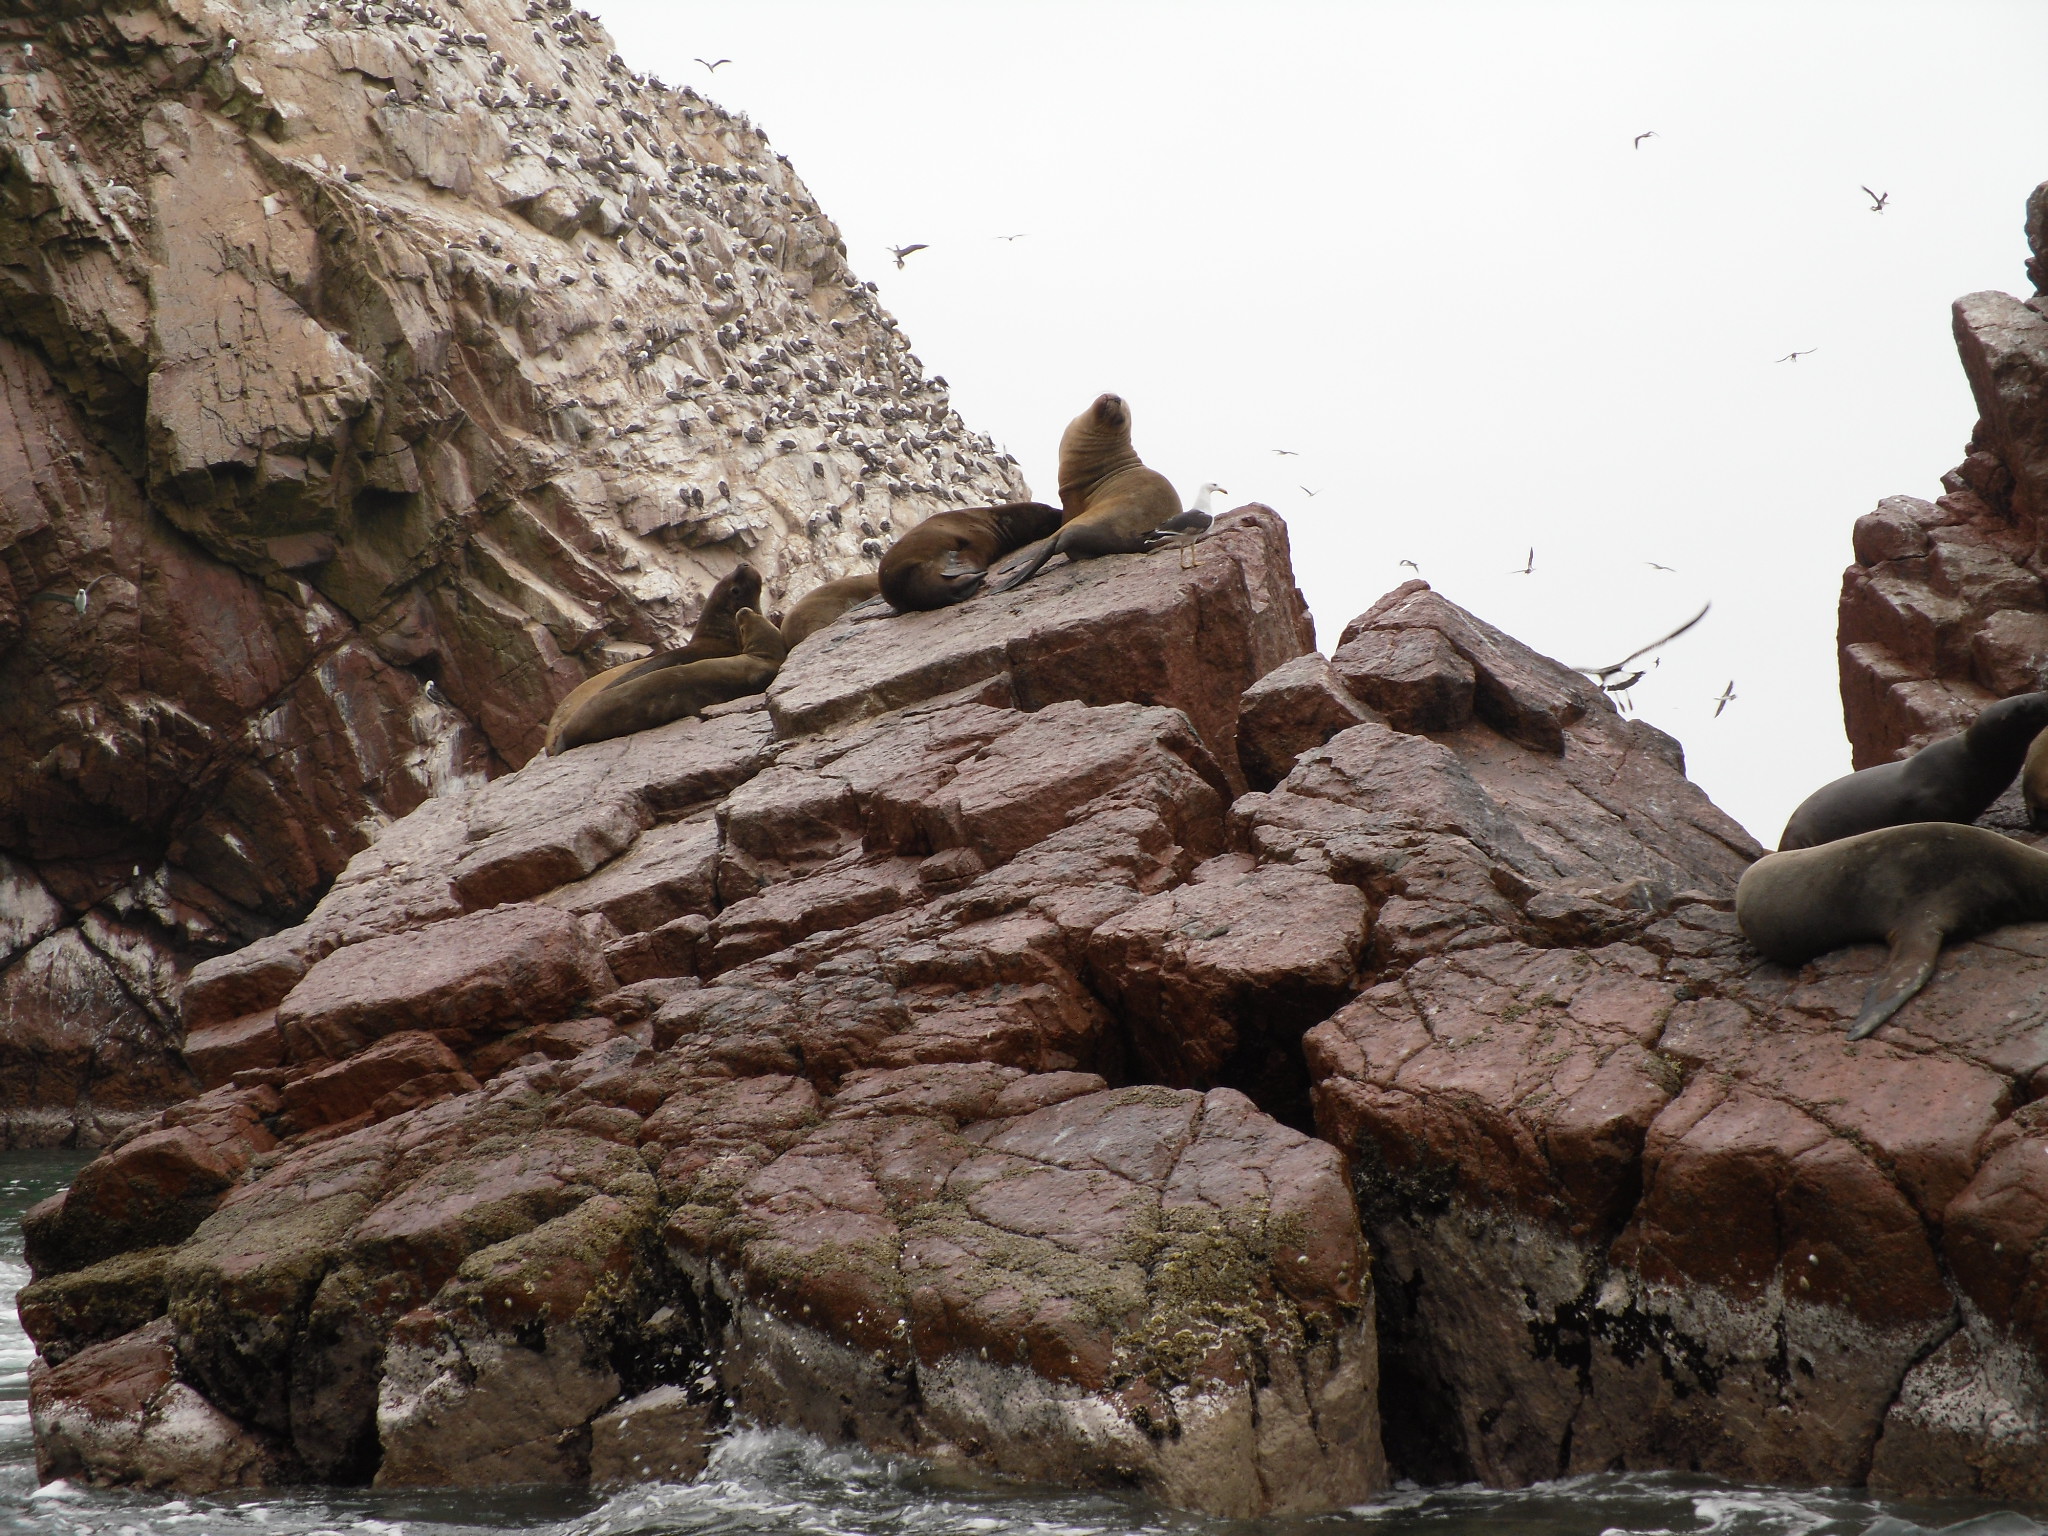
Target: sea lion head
x,y
2034,782
745,591
1096,444
759,638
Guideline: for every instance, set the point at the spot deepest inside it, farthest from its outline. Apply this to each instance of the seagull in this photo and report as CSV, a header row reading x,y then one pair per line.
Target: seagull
x,y
1652,134
711,66
74,600
1530,568
1602,674
901,251
1793,357
1013,237
1307,492
1412,566
1724,698
1287,453
1653,565
1877,200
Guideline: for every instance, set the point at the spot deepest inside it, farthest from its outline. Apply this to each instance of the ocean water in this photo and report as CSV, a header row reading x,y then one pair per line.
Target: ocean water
x,y
781,1484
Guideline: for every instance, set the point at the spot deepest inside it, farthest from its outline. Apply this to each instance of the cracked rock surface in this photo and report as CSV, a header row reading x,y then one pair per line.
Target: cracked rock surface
x,y
377,372
979,1062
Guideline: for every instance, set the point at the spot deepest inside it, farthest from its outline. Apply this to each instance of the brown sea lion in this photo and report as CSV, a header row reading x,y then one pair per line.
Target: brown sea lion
x,y
945,558
2034,782
669,693
823,604
1955,779
1113,504
1911,887
717,634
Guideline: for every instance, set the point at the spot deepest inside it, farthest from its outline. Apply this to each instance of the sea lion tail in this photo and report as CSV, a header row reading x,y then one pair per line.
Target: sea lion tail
x,y
1916,944
1031,557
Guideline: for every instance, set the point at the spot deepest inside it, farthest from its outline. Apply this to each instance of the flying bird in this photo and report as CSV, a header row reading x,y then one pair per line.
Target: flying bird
x,y
1724,698
1013,237
1307,492
1287,453
1877,200
711,66
1793,357
1412,566
901,251
1653,565
1652,134
1530,568
74,600
1602,674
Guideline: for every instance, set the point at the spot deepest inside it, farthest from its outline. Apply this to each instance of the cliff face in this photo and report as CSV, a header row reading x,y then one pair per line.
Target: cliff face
x,y
1944,610
369,375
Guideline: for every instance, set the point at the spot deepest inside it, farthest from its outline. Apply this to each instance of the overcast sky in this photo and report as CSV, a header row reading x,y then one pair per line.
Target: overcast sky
x,y
1416,245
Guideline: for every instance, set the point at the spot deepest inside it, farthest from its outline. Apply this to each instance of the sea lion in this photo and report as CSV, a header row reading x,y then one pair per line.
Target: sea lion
x,y
1912,887
1113,504
823,604
945,558
717,634
669,693
2034,782
1955,779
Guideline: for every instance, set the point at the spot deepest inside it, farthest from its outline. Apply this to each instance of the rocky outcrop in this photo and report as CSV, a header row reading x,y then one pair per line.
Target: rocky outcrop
x,y
370,374
1945,610
1278,1073
813,1063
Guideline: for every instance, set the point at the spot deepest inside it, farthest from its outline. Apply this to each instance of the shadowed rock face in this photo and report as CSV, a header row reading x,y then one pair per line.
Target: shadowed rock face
x,y
1944,610
378,374
984,1071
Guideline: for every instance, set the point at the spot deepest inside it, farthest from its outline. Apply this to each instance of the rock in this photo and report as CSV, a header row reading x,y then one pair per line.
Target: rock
x,y
953,1090
1103,631
1944,611
1292,709
469,979
117,1414
658,1437
64,1313
304,397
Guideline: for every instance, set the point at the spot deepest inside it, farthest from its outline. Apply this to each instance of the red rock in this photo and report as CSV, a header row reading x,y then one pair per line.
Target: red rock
x,y
154,1189
218,1053
660,1436
1216,979
410,1061
469,978
1132,627
1295,707
117,1414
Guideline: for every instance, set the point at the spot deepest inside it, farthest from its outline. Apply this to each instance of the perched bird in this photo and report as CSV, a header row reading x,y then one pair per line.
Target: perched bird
x,y
1724,698
1602,675
1877,200
1652,134
901,251
711,66
1530,568
1793,357
1205,500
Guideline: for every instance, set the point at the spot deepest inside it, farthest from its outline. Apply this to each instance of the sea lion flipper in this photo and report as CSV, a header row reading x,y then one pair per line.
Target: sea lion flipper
x,y
1030,558
1916,944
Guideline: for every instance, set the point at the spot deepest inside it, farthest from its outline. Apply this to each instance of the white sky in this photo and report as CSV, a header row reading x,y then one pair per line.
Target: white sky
x,y
1413,243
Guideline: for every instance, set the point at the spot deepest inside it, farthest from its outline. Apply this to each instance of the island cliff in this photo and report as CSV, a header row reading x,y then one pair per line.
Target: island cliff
x,y
1083,1033
376,372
